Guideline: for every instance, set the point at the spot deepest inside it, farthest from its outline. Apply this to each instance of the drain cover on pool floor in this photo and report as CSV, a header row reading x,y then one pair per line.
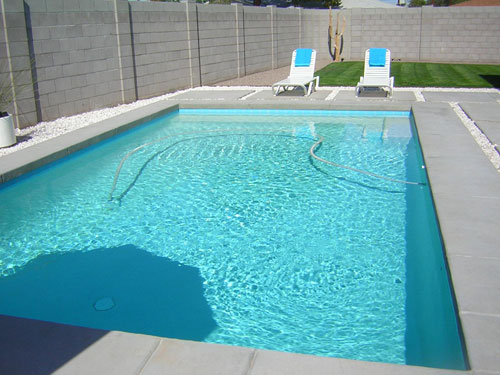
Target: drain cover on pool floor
x,y
103,304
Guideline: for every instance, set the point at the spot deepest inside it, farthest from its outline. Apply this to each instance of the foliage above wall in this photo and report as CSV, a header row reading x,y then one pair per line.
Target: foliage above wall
x,y
436,3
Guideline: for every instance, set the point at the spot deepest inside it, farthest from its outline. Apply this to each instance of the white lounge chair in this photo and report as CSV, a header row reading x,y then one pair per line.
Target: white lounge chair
x,y
301,72
377,70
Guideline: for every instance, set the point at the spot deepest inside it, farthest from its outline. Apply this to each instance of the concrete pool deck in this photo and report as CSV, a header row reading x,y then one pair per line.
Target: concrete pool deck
x,y
466,192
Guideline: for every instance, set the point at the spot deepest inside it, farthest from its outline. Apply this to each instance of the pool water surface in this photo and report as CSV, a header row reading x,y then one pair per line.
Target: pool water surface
x,y
224,229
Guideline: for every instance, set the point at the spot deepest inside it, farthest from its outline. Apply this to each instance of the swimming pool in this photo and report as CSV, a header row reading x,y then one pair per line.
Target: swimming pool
x,y
224,229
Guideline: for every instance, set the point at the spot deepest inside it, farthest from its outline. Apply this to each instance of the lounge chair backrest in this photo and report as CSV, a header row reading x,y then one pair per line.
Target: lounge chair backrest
x,y
303,71
377,74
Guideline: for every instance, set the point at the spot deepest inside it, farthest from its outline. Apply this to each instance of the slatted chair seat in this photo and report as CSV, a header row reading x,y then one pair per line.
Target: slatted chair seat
x,y
377,72
301,73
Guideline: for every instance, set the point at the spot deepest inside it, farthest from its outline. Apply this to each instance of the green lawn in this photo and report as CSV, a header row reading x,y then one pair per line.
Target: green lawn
x,y
409,74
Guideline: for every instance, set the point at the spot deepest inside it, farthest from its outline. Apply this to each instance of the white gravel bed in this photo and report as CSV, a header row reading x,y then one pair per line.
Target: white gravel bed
x,y
46,130
480,138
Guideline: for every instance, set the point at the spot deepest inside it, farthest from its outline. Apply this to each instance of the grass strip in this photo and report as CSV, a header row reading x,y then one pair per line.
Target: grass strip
x,y
413,74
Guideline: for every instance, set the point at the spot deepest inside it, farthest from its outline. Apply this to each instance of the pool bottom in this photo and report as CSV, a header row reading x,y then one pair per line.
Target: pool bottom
x,y
122,288
236,217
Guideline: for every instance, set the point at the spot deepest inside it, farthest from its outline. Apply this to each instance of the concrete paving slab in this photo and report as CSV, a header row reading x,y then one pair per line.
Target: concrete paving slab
x,y
476,272
36,347
289,95
211,95
477,233
491,129
117,353
343,95
482,111
187,357
478,293
279,363
487,118
479,298
469,172
485,353
18,163
455,96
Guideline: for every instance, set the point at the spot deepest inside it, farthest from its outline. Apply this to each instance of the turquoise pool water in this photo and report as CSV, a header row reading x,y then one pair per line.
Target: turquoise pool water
x,y
224,229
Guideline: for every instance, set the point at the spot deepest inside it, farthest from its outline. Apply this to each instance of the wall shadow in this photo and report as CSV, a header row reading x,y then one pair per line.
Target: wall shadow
x,y
32,56
494,80
132,45
123,288
34,347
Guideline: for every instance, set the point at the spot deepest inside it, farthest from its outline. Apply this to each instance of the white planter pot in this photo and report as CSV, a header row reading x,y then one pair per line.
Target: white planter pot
x,y
7,132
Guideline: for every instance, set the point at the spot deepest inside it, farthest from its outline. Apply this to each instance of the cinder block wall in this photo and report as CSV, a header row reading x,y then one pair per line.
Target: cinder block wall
x,y
16,76
258,39
397,29
80,55
165,47
455,34
219,43
462,34
314,31
287,33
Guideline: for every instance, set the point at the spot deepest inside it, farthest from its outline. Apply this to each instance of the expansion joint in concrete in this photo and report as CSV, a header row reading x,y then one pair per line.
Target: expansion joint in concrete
x,y
251,362
148,357
190,54
119,47
9,60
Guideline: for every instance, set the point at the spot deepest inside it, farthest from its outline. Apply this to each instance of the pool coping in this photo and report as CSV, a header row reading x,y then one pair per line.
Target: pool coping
x,y
454,174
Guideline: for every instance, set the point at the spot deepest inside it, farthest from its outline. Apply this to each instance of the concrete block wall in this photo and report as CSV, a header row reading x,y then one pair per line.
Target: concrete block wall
x,y
80,55
15,62
219,43
288,34
258,39
240,39
462,34
314,31
125,58
165,47
77,57
455,34
396,29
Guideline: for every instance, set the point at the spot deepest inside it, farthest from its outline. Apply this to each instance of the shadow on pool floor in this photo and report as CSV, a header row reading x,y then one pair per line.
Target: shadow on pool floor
x,y
123,288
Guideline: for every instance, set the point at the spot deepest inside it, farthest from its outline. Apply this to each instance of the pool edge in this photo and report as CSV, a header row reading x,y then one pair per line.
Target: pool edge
x,y
87,350
20,162
71,142
465,188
